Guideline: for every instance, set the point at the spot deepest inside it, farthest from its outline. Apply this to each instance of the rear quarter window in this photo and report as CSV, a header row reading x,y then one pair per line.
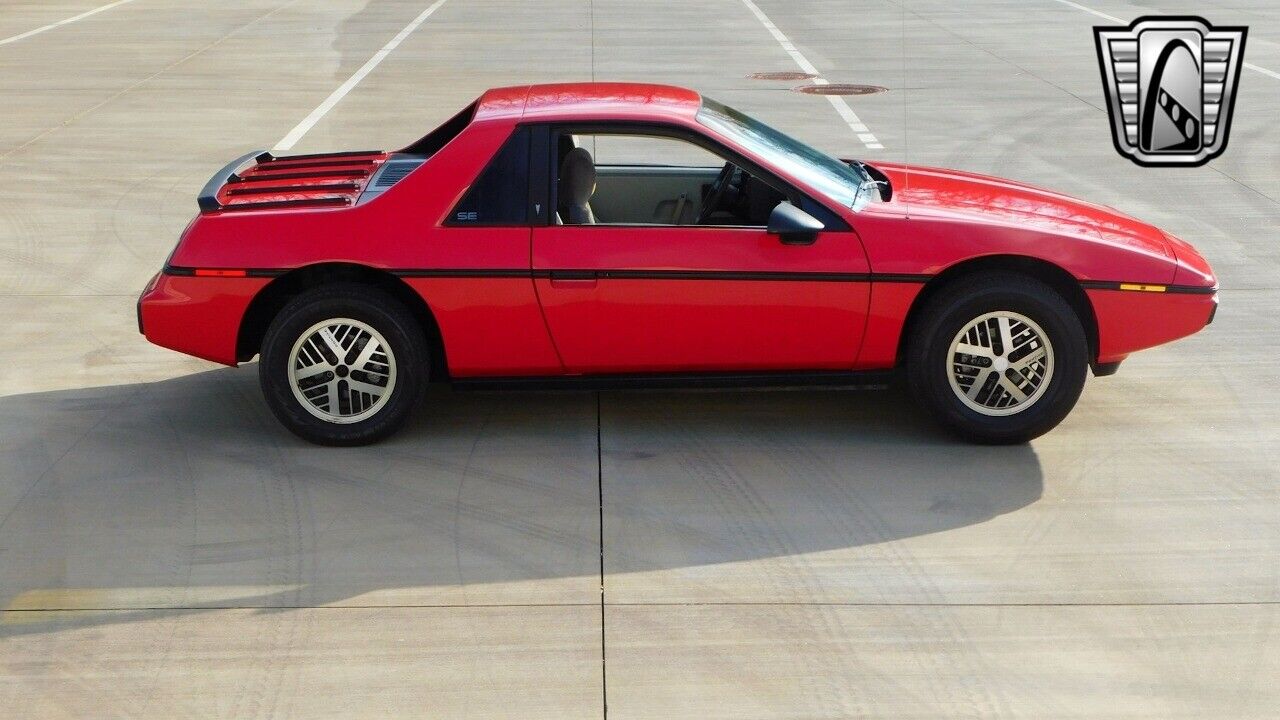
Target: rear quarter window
x,y
500,195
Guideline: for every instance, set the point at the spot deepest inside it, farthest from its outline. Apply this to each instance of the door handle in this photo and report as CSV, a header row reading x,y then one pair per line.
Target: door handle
x,y
570,279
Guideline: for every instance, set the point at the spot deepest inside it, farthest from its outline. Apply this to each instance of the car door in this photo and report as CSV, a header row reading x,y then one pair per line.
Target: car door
x,y
654,298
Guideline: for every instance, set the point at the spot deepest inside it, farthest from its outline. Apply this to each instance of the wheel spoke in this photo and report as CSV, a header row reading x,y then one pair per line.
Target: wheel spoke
x,y
978,350
370,347
364,387
331,340
1013,389
334,407
978,383
1027,361
312,370
1006,335
311,352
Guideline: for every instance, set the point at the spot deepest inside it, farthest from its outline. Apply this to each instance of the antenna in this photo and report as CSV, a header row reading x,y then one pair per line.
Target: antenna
x,y
906,125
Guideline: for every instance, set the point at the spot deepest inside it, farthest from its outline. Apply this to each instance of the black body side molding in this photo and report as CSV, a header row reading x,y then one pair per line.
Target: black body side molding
x,y
657,381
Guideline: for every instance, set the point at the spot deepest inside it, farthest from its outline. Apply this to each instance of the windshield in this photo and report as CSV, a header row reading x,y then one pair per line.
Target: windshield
x,y
838,180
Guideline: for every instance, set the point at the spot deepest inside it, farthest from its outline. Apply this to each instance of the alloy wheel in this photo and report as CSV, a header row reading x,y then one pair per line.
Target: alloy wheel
x,y
342,370
1000,363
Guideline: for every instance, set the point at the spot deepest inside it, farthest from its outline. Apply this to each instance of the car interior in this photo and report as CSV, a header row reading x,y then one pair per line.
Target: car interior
x,y
616,179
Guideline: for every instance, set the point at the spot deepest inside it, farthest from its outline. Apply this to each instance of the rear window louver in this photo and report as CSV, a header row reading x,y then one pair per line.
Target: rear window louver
x,y
287,189
276,177
393,172
333,200
331,180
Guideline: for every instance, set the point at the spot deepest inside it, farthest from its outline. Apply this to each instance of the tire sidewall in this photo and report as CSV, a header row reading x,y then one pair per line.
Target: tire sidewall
x,y
382,313
930,365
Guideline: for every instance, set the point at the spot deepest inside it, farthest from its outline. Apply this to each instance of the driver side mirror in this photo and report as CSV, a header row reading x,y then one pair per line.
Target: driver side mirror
x,y
792,225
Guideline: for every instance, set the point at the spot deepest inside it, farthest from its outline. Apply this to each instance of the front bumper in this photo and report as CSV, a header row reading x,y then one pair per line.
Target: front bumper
x,y
1130,321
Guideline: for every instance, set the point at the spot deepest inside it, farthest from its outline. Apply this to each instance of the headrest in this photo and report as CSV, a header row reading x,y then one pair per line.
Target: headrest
x,y
577,177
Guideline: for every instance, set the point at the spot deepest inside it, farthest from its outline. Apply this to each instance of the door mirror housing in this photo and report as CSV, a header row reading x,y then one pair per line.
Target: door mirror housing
x,y
792,225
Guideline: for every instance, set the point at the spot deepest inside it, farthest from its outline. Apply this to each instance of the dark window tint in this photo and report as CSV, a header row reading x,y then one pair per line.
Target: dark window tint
x,y
500,195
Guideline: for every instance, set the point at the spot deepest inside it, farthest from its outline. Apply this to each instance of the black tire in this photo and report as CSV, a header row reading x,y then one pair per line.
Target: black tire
x,y
409,356
929,367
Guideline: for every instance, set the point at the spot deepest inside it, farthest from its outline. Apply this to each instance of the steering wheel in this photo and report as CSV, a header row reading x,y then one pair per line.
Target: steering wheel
x,y
716,194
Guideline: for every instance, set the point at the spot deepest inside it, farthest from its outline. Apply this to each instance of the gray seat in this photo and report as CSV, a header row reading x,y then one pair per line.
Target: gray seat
x,y
576,186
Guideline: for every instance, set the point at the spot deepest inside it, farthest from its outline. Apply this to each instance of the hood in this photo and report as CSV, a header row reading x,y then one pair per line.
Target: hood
x,y
982,198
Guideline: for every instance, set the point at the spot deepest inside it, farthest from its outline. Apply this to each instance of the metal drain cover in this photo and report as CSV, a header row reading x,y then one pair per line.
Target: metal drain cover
x,y
840,89
782,76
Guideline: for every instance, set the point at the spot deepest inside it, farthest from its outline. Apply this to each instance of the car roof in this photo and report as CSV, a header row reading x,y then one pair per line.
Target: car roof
x,y
615,100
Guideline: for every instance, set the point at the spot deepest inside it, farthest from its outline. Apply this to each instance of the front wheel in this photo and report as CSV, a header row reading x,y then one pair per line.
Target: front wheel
x,y
343,365
998,358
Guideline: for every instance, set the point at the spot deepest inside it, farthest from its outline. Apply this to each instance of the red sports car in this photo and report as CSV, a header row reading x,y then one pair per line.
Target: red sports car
x,y
630,234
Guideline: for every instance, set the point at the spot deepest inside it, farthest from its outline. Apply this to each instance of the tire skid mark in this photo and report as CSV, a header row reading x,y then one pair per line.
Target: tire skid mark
x,y
927,621
172,623
391,499
277,631
787,571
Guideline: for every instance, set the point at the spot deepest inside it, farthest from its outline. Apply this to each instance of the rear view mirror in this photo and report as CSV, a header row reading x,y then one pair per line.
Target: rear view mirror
x,y
792,225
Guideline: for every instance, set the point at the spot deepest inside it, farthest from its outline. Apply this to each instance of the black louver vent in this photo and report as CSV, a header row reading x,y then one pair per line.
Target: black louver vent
x,y
394,172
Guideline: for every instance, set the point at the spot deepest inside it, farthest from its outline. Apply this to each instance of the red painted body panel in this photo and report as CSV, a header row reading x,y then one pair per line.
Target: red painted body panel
x,y
1132,321
401,229
510,325
627,101
490,326
890,303
198,316
939,218
1192,268
622,325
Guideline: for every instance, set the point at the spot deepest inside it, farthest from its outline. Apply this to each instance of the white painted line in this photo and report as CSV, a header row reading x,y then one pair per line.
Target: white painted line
x,y
1102,15
60,23
294,135
1262,70
842,108
1114,19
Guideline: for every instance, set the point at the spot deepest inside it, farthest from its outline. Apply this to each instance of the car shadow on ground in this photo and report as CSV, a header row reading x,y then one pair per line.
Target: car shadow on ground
x,y
185,495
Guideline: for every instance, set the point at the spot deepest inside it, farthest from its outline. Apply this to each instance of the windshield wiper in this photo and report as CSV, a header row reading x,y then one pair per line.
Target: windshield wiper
x,y
873,177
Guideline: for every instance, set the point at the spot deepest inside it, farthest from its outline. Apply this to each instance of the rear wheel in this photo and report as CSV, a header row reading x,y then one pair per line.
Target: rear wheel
x,y
998,358
343,365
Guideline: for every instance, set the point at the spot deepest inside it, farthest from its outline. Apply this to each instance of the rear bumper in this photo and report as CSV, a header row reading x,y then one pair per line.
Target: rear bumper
x,y
198,316
151,285
1129,321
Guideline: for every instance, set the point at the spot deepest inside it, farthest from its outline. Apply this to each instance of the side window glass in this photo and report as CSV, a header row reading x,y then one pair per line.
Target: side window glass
x,y
500,196
620,178
647,150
